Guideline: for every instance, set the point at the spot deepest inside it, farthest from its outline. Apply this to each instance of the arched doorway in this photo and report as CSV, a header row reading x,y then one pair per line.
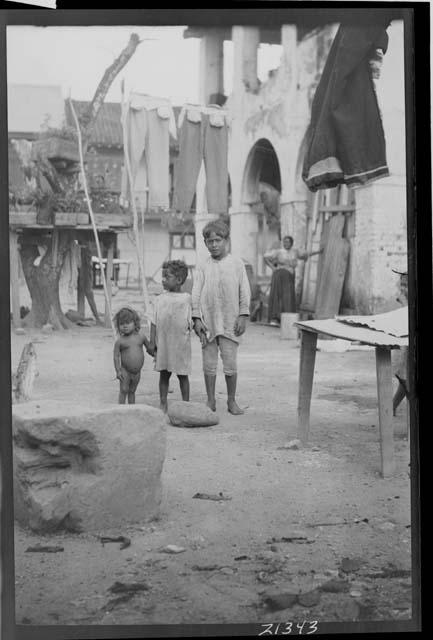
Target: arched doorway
x,y
261,190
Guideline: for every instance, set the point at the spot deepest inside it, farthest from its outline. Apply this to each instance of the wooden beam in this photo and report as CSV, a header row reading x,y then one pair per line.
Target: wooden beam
x,y
109,276
23,219
384,394
338,208
14,278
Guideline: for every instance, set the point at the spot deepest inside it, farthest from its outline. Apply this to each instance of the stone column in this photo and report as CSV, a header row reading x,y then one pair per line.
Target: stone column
x,y
246,41
211,65
289,42
202,216
243,232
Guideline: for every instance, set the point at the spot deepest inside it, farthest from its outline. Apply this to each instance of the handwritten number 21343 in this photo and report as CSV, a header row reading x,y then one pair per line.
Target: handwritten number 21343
x,y
287,628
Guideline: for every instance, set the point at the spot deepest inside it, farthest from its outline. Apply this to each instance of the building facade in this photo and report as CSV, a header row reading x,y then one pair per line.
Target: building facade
x,y
268,123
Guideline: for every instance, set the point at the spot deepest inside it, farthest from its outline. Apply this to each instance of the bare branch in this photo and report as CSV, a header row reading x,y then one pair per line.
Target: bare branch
x,y
87,119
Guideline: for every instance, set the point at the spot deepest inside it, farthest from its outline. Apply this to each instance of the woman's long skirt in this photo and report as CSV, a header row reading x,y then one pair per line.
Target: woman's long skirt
x,y
282,298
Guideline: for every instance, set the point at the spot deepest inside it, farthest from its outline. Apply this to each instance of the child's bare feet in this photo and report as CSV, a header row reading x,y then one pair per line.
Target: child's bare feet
x,y
211,404
234,408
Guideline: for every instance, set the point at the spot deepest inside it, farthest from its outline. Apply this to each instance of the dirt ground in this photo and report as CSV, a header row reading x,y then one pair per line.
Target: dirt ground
x,y
234,557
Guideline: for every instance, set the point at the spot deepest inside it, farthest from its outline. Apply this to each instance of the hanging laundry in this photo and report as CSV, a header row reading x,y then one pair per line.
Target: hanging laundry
x,y
203,137
345,139
149,122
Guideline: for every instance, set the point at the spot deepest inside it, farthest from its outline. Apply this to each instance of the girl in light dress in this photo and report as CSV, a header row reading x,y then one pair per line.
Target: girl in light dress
x,y
170,331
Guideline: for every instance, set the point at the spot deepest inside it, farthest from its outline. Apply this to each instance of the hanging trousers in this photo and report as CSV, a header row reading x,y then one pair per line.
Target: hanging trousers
x,y
148,144
200,141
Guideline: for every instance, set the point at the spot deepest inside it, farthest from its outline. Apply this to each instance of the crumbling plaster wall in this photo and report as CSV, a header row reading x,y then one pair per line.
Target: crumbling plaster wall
x,y
278,111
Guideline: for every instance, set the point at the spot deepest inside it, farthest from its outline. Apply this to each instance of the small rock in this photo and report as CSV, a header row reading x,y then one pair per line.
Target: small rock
x,y
292,444
131,587
273,547
333,573
335,586
279,601
315,448
47,328
227,570
350,564
401,605
309,599
348,611
191,414
367,610
386,526
173,548
355,593
19,331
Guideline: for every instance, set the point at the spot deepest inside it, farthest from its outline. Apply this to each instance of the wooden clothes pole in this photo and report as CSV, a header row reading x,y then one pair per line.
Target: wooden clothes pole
x,y
110,254
134,210
92,216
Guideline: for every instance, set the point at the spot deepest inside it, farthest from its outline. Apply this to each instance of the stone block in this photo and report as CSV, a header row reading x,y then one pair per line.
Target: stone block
x,y
84,469
191,414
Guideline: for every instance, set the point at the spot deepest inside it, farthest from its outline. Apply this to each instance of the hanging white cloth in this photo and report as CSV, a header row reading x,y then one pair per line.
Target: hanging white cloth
x,y
149,123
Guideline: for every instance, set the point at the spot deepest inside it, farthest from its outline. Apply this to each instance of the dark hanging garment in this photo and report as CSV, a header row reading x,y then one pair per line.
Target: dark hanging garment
x,y
345,139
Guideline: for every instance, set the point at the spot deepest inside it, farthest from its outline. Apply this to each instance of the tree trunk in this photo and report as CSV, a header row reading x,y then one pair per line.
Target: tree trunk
x,y
43,279
43,283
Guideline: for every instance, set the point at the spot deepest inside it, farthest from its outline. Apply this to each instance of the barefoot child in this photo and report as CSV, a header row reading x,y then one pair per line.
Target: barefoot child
x,y
220,307
128,353
170,331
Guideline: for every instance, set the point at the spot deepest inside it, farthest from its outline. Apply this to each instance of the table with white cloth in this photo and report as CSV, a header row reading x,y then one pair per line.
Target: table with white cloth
x,y
356,329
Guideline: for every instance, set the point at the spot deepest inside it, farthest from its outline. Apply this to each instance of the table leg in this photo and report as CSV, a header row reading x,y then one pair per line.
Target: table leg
x,y
306,374
14,278
384,395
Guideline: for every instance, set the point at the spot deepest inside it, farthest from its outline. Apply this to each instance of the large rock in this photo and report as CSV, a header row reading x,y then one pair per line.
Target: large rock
x,y
190,414
84,469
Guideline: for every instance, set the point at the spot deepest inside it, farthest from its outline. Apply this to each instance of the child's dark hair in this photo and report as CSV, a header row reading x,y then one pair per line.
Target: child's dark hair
x,y
126,314
218,227
178,268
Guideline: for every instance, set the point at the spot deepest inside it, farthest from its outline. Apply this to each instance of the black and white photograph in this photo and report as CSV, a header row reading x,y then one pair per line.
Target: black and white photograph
x,y
211,284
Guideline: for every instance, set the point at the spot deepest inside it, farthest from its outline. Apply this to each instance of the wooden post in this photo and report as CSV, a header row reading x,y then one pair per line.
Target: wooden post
x,y
55,246
306,375
109,276
384,394
81,299
14,278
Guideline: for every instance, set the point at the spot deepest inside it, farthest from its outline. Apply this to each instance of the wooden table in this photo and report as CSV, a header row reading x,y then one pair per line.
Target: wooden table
x,y
116,264
383,343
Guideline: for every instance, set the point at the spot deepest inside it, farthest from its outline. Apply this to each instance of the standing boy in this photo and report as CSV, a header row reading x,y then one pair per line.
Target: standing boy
x,y
220,308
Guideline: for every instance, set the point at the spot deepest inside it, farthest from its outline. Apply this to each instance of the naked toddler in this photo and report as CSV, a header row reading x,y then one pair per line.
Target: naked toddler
x,y
128,355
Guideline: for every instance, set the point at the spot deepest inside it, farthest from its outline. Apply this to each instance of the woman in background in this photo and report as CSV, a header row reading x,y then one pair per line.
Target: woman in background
x,y
283,262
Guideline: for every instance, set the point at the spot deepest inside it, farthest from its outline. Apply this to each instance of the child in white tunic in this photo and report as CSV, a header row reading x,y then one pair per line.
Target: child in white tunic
x,y
170,332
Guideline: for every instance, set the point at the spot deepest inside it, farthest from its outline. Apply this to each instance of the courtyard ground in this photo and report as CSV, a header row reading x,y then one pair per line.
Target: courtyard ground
x,y
328,498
